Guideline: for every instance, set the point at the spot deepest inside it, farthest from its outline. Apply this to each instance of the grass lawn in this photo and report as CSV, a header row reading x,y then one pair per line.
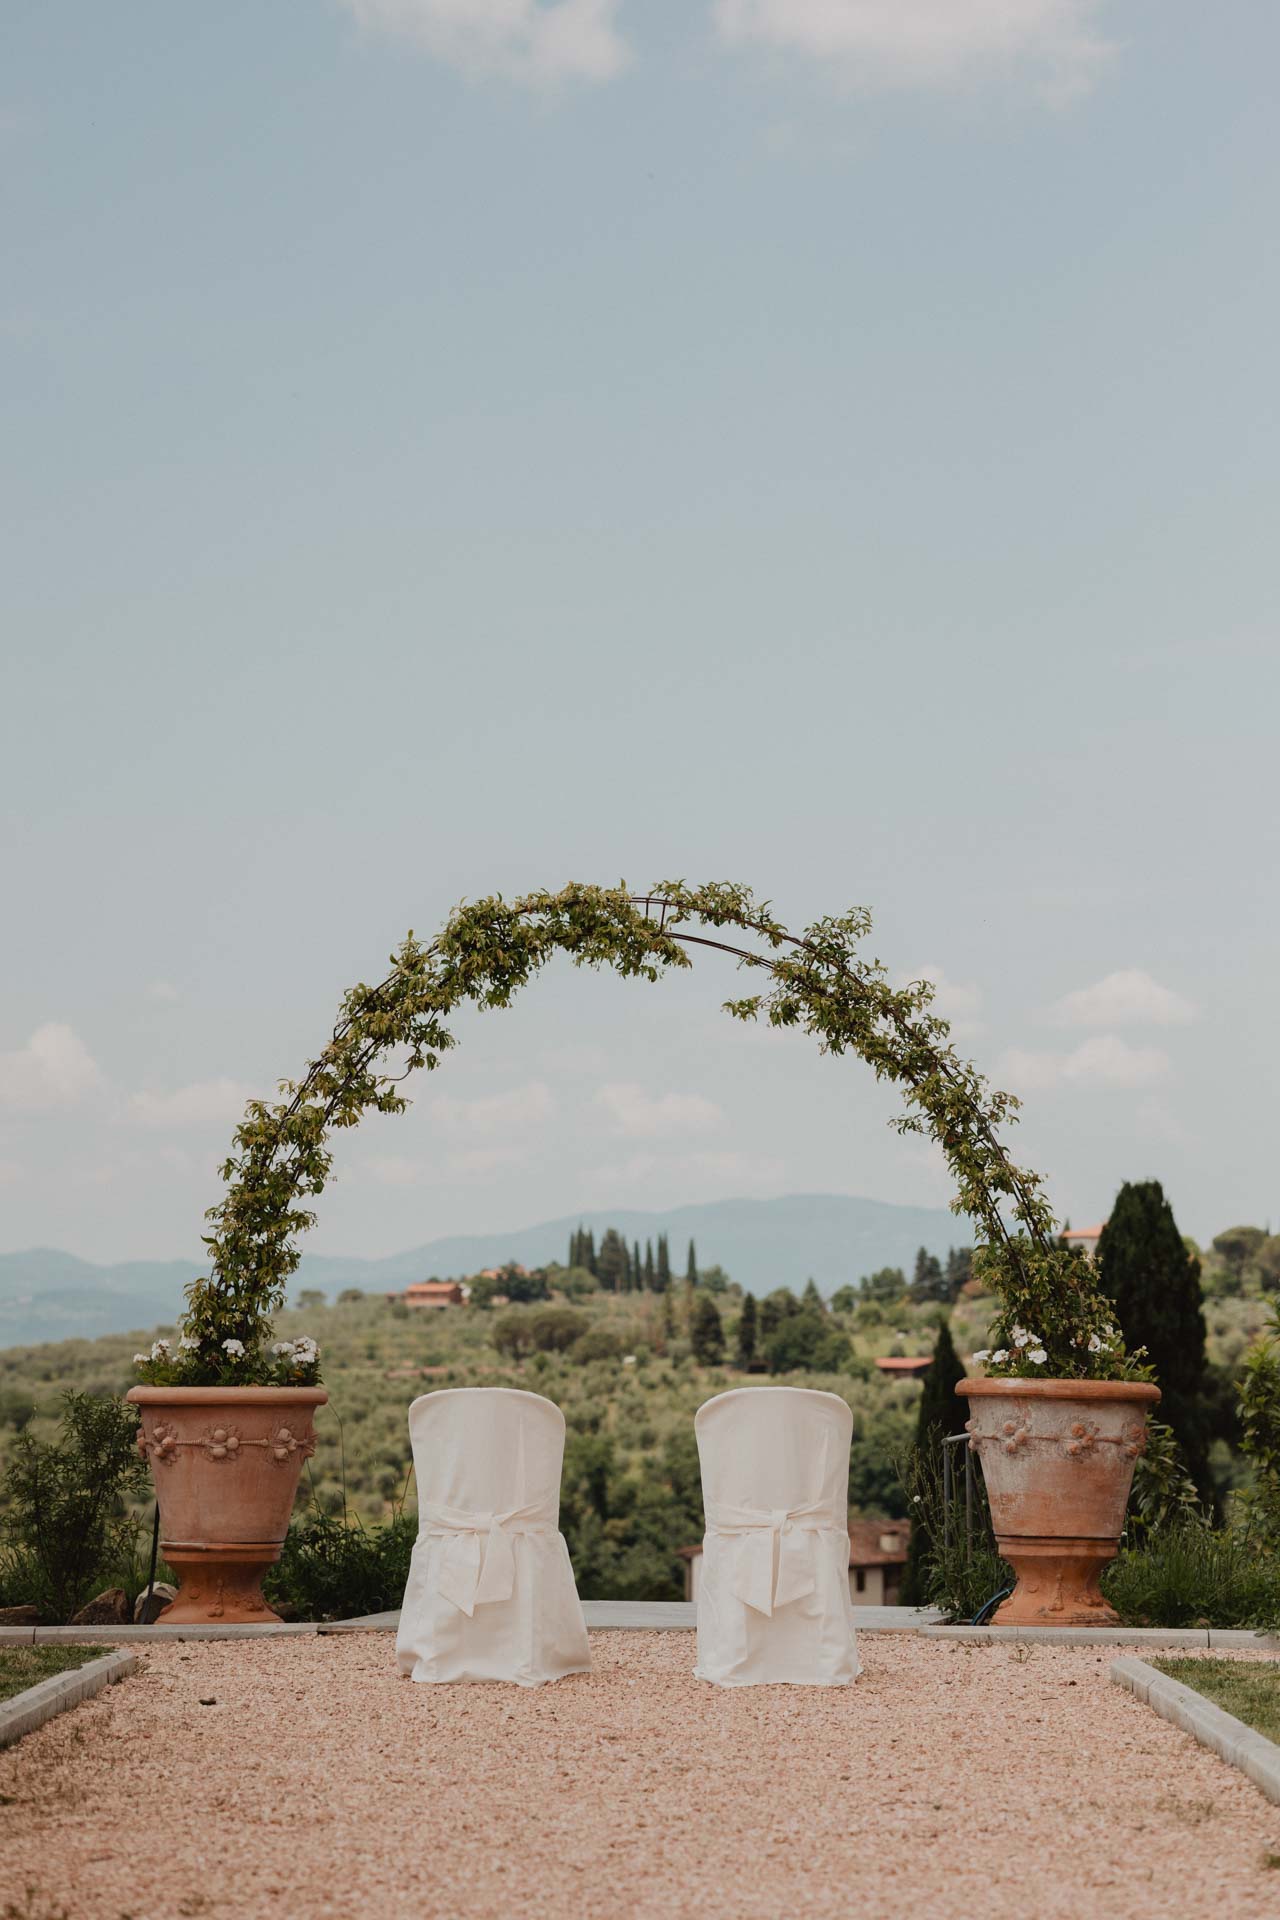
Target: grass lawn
x,y
1249,1689
23,1667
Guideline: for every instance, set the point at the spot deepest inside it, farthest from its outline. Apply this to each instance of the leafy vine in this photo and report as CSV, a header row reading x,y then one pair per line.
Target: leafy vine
x,y
485,953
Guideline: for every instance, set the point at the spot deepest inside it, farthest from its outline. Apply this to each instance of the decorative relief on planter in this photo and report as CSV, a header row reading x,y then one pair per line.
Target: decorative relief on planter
x,y
1011,1434
285,1443
222,1443
161,1444
226,1443
1080,1439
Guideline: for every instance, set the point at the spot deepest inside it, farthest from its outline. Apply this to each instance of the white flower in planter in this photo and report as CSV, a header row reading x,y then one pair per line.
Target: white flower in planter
x,y
160,1350
189,1343
981,1356
280,1347
234,1349
999,1357
1021,1338
141,1359
1037,1356
1095,1344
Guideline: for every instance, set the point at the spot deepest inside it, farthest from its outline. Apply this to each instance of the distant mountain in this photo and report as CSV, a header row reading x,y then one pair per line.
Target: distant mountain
x,y
46,1295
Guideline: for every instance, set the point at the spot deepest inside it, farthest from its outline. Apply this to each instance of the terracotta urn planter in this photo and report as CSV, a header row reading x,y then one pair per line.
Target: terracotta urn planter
x,y
225,1462
1057,1458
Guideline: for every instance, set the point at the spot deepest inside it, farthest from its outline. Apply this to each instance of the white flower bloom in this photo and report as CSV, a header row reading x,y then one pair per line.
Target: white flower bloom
x,y
918,1498
983,1354
141,1359
1037,1356
282,1346
160,1350
189,1343
1096,1345
1021,1338
999,1357
234,1347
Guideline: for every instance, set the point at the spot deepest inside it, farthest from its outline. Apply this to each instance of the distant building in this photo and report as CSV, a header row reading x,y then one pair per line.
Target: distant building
x,y
877,1556
432,1293
903,1369
1086,1238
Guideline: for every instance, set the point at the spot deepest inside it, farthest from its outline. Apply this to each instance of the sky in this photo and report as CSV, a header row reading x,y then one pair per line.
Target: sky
x,y
458,446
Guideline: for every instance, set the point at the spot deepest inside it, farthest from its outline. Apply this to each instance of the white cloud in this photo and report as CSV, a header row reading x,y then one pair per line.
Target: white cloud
x,y
494,1116
537,42
1103,1061
205,1103
163,990
54,1069
957,1004
930,43
642,1116
1129,998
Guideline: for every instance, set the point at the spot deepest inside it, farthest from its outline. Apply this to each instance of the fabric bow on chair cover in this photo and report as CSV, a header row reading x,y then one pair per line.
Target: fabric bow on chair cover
x,y
775,1557
478,1563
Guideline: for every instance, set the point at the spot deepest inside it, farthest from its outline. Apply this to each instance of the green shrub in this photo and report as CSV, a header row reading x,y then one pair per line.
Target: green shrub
x,y
1193,1575
336,1568
67,1522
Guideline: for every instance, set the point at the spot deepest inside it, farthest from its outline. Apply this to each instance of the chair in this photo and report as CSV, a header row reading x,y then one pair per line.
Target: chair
x,y
490,1594
773,1596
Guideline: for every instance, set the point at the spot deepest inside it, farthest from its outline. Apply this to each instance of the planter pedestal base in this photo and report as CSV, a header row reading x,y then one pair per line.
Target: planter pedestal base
x,y
219,1586
1057,1582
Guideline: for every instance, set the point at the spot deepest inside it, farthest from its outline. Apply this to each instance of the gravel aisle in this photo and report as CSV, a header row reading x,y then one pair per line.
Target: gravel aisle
x,y
951,1779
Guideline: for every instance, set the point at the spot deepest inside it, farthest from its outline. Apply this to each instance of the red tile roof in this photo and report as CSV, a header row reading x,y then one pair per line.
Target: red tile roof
x,y
911,1368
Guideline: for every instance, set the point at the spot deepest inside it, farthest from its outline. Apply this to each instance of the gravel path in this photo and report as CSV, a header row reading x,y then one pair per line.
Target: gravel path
x,y
952,1779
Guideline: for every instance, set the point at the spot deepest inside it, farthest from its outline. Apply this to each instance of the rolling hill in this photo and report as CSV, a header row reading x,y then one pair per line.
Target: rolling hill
x,y
48,1295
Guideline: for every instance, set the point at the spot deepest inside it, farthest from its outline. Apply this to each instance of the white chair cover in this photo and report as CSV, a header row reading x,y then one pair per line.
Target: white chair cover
x,y
773,1592
490,1594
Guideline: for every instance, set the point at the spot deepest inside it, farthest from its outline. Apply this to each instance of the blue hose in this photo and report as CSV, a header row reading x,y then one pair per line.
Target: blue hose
x,y
988,1606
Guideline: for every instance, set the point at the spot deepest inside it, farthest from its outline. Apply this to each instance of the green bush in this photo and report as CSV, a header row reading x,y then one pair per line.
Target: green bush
x,y
68,1526
1193,1575
334,1568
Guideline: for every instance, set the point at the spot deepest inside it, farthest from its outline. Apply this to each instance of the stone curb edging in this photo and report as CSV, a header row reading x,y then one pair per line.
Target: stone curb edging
x,y
1108,1636
1239,1745
126,1636
30,1709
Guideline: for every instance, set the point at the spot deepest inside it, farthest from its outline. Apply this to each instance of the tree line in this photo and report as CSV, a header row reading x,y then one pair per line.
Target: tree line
x,y
620,1268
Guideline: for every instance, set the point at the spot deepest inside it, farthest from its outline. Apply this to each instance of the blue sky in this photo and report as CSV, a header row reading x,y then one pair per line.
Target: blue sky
x,y
451,448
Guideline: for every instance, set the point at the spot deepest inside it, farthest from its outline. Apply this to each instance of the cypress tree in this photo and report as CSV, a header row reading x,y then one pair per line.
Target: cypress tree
x,y
648,1266
664,1264
745,1350
706,1335
691,1267
1145,1267
942,1412
589,1253
637,1270
612,1261
812,1299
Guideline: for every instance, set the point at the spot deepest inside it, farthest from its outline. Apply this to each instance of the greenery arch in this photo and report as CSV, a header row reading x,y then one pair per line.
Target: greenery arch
x,y
490,949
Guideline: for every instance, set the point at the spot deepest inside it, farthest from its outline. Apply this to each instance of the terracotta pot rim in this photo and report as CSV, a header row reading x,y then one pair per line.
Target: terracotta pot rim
x,y
227,1396
1063,1389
